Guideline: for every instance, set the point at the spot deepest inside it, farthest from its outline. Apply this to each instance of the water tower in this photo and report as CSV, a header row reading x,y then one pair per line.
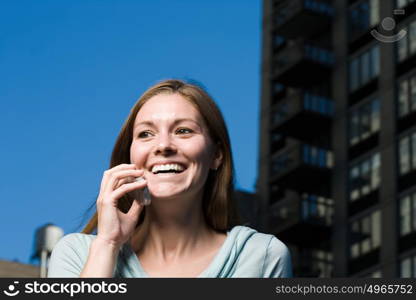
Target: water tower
x,y
46,238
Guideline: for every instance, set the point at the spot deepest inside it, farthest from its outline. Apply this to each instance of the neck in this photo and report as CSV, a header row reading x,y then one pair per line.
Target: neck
x,y
172,231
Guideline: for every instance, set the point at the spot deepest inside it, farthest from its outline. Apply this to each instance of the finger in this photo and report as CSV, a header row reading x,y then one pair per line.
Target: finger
x,y
107,173
117,180
128,179
115,177
122,167
136,194
105,195
125,188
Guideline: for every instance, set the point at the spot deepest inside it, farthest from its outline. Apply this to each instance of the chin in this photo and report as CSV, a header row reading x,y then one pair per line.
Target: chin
x,y
164,191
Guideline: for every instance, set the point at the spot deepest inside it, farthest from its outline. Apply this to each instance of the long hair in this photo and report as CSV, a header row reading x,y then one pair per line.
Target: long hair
x,y
218,204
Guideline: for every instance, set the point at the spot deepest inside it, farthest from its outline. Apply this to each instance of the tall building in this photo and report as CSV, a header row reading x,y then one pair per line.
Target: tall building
x,y
247,204
337,167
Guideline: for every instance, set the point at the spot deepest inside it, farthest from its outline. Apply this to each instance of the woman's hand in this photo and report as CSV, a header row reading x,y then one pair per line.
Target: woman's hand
x,y
114,226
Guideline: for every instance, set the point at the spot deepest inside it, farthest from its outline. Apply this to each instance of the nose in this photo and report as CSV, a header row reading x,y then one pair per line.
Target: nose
x,y
164,144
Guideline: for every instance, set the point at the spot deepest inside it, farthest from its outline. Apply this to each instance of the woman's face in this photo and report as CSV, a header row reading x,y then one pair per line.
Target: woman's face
x,y
170,133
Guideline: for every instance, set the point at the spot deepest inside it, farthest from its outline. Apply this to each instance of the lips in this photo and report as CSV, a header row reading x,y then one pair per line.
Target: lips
x,y
167,166
168,174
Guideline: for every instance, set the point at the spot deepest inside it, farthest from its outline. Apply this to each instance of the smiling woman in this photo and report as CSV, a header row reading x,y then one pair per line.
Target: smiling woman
x,y
176,141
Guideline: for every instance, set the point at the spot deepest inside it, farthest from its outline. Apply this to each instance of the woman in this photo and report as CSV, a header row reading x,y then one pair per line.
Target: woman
x,y
175,144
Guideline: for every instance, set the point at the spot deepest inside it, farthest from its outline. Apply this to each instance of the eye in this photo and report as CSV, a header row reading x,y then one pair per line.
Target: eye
x,y
143,134
184,129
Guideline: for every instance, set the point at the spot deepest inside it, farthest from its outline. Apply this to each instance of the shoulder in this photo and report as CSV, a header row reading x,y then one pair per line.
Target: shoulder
x,y
252,237
76,239
277,261
69,255
264,250
74,242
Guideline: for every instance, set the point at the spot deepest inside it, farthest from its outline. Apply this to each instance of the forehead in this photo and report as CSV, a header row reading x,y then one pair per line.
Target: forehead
x,y
167,107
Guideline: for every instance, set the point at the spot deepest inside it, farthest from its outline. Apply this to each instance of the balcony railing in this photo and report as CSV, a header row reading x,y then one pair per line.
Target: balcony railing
x,y
302,17
299,154
302,167
301,62
302,109
294,216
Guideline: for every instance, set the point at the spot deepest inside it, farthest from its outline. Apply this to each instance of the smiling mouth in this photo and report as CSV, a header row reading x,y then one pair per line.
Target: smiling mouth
x,y
168,172
173,168
167,175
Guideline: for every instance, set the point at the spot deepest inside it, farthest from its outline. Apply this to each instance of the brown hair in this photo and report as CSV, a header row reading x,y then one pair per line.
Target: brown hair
x,y
218,204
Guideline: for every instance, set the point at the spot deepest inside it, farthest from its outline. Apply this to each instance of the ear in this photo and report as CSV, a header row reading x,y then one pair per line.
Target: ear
x,y
218,157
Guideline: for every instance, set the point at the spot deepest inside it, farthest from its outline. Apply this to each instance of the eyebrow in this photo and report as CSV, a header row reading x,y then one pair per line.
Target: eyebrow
x,y
151,123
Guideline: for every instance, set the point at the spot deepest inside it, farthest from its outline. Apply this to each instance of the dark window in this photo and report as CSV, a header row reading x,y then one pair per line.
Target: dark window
x,y
364,68
403,3
317,208
407,153
406,98
363,16
406,46
364,177
408,214
365,234
408,267
364,120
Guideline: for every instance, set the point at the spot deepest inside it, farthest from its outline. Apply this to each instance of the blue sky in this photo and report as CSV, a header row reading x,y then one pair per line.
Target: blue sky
x,y
71,70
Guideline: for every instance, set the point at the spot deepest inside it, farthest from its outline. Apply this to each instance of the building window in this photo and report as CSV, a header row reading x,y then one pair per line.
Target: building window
x,y
364,177
408,267
365,234
376,274
363,16
374,62
280,113
281,163
373,274
403,98
412,38
316,262
364,68
406,97
278,41
319,104
402,49
364,120
319,54
317,156
407,153
322,262
354,74
317,208
310,155
406,46
277,88
403,3
408,214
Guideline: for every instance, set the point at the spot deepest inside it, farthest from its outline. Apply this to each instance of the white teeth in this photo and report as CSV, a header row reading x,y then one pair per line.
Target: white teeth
x,y
167,167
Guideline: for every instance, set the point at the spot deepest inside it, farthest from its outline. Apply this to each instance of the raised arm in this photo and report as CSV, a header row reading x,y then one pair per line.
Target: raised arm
x,y
114,226
82,255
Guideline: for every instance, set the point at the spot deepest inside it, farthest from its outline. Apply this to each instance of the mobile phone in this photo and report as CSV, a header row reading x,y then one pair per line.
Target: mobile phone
x,y
146,195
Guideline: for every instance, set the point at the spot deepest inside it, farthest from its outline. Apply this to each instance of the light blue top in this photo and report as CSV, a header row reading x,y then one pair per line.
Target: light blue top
x,y
244,253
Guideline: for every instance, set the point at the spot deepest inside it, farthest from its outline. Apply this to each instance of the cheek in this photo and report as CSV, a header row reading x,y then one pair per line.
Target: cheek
x,y
199,153
137,154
